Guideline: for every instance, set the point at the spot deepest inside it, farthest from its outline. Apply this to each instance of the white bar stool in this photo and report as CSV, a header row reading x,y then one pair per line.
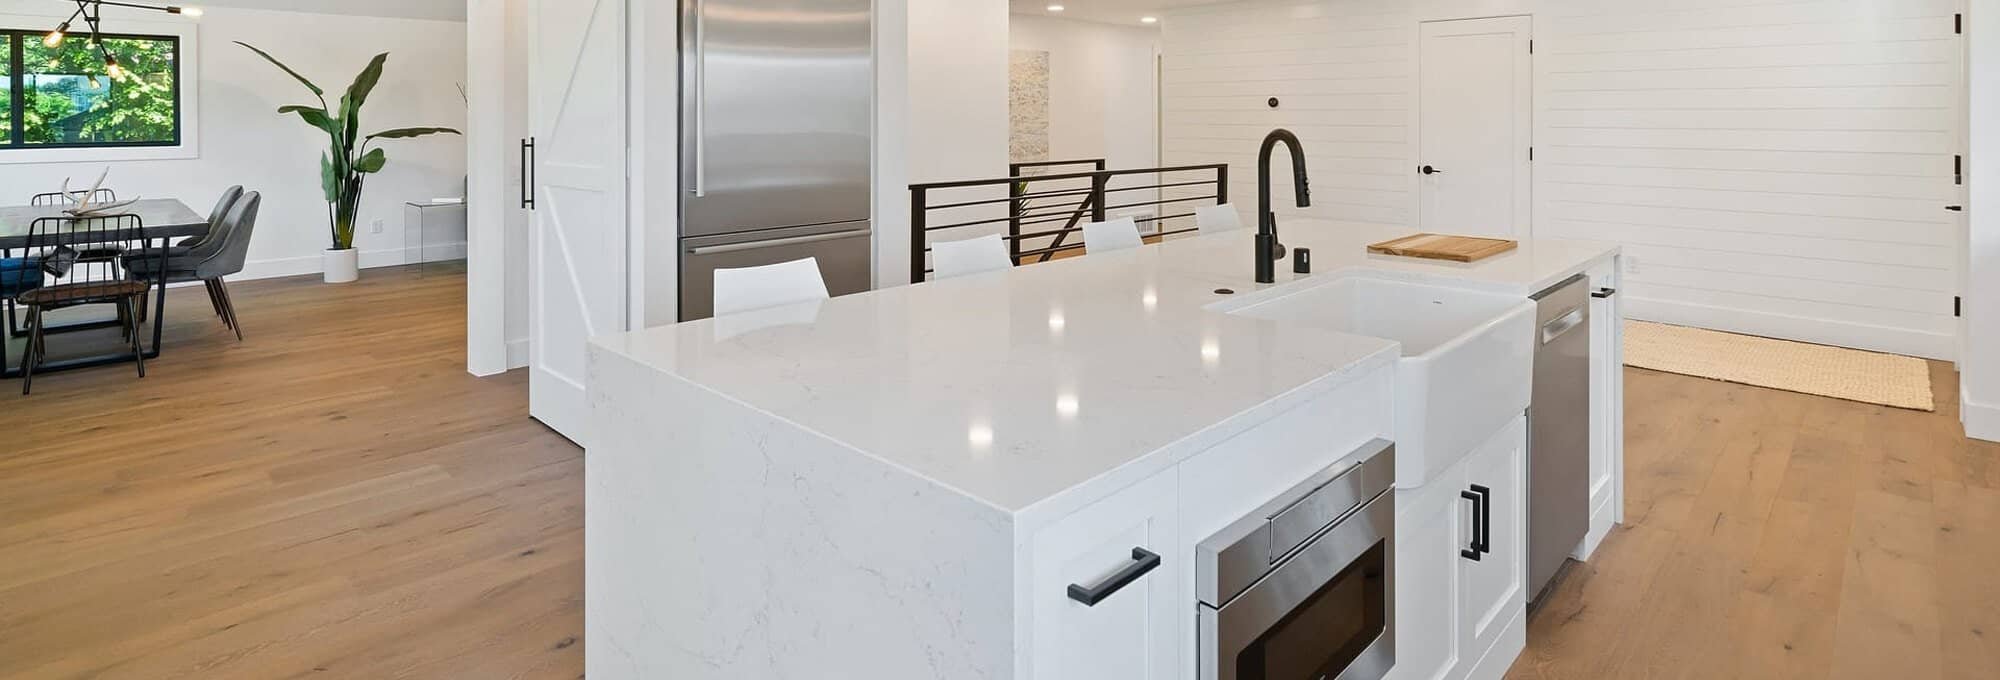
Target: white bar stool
x,y
746,288
1212,219
1118,234
970,256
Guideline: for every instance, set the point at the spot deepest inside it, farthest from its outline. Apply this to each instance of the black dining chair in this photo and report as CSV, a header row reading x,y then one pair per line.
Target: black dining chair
x,y
222,254
65,280
59,198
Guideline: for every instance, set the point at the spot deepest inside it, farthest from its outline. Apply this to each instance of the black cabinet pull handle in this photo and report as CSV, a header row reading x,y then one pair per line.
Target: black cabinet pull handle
x,y
1143,562
1603,293
1478,526
528,173
1485,541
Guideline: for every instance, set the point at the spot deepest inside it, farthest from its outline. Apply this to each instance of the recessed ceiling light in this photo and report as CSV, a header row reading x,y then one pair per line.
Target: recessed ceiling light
x,y
1149,20
1055,8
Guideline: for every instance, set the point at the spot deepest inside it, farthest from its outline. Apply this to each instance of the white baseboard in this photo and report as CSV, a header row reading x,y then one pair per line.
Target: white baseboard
x,y
1941,346
517,354
1982,421
310,264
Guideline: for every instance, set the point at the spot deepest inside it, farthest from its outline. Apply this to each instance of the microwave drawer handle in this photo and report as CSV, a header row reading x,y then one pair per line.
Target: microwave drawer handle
x,y
1143,562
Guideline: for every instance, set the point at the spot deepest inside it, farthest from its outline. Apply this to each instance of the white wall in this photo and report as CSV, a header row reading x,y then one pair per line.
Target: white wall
x,y
952,67
243,140
1102,101
1773,168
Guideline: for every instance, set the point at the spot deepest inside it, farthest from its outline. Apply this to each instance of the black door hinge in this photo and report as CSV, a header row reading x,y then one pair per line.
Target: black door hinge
x,y
1957,306
1531,154
1531,47
1958,24
1958,170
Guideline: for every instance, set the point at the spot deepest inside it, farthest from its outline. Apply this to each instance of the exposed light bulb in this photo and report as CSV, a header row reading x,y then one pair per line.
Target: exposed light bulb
x,y
112,67
55,38
186,11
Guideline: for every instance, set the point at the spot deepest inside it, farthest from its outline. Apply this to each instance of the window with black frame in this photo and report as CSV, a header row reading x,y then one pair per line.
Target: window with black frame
x,y
117,91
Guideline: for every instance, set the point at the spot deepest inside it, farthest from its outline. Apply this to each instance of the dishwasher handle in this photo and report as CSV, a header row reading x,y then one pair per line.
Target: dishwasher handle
x,y
1562,325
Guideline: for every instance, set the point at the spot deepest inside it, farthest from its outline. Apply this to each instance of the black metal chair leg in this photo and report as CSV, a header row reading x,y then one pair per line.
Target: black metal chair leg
x,y
28,357
214,300
132,331
229,306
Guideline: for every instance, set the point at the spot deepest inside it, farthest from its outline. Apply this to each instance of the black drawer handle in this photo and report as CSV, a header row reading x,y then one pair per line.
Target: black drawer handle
x,y
1485,541
1473,551
1603,293
1143,562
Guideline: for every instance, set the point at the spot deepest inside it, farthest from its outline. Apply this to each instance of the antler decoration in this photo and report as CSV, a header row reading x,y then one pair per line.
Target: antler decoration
x,y
82,199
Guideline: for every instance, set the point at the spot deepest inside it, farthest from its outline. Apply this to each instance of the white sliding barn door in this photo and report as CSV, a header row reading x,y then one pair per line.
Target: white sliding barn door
x,y
577,251
1475,96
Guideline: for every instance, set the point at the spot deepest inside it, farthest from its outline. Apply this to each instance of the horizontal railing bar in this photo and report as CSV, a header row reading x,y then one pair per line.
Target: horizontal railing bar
x,y
1076,175
1070,192
1001,220
1160,202
1044,164
1074,192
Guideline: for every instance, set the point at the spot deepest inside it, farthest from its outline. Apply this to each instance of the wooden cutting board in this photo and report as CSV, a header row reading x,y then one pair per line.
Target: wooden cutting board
x,y
1444,247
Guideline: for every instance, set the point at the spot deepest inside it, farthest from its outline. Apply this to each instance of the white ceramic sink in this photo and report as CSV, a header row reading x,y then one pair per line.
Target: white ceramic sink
x,y
1467,365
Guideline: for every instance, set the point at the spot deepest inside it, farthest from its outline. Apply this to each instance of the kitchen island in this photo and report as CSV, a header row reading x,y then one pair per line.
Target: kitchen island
x,y
901,484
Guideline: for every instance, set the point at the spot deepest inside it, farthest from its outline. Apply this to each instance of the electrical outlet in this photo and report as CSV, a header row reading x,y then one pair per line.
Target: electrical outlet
x,y
376,226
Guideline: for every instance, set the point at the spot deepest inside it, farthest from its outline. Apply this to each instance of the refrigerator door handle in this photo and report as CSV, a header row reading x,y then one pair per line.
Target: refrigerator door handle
x,y
698,116
795,240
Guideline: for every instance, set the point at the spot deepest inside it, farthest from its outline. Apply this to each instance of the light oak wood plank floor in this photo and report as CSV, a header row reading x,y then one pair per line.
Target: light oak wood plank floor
x,y
1777,535
332,498
336,498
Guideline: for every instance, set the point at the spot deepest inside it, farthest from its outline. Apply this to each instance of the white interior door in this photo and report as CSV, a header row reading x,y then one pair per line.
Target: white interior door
x,y
577,251
1475,127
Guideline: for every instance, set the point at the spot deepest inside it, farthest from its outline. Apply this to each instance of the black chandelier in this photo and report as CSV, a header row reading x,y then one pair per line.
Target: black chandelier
x,y
90,11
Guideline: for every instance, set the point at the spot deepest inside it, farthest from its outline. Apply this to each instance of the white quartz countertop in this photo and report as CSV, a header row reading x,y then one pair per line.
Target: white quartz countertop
x,y
1015,387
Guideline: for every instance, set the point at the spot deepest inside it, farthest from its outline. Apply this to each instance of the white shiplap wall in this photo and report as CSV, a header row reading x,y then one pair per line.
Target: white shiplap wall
x,y
1772,167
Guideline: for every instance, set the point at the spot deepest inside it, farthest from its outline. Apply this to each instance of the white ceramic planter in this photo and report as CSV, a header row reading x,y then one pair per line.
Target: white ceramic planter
x,y
341,266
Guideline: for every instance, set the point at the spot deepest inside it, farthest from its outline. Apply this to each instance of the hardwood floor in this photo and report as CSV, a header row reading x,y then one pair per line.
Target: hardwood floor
x,y
1778,535
336,498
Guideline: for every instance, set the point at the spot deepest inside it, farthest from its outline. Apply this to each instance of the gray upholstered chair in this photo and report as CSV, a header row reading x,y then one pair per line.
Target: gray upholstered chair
x,y
217,256
215,216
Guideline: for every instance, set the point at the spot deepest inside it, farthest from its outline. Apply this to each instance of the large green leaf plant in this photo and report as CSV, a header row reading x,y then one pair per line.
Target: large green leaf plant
x,y
344,168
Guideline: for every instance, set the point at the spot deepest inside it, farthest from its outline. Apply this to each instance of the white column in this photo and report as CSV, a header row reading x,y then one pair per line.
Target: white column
x,y
487,150
1979,387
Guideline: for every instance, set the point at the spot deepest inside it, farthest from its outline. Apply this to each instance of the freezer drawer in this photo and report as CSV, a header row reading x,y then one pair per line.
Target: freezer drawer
x,y
843,252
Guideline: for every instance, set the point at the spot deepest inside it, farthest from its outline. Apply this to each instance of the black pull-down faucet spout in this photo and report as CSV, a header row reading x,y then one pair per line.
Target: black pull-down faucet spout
x,y
1269,250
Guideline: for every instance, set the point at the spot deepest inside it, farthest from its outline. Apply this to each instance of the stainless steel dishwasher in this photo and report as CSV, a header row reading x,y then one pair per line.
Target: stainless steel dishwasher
x,y
1559,431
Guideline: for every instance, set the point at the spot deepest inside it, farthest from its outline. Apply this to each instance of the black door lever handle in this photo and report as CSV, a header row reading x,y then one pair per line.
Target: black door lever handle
x,y
1428,170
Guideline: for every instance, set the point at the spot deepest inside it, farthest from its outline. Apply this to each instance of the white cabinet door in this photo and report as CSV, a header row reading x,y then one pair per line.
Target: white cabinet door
x,y
1133,633
1430,531
1493,586
1607,402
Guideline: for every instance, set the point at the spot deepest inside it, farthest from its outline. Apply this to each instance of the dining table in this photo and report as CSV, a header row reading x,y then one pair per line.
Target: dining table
x,y
163,220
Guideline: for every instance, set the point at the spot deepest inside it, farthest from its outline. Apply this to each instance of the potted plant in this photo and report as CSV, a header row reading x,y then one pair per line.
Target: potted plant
x,y
345,167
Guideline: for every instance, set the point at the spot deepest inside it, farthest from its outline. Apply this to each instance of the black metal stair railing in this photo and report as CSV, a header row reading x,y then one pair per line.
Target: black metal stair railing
x,y
1039,194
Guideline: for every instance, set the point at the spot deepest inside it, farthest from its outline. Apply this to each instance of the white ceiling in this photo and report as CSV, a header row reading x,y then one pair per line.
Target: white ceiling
x,y
1107,11
452,10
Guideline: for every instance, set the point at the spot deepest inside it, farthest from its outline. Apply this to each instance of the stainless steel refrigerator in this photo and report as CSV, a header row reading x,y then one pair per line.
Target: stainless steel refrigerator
x,y
776,100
